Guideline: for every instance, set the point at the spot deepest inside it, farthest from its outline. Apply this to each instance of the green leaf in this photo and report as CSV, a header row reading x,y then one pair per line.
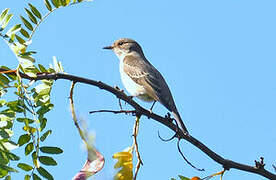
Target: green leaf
x,y
63,2
7,168
6,21
42,68
12,156
183,178
3,157
23,139
36,177
68,1
2,102
31,16
27,23
44,109
24,33
24,166
3,14
28,53
42,89
45,135
43,123
56,3
9,113
35,11
43,172
30,58
47,82
15,106
26,120
4,80
51,150
27,177
19,39
48,5
4,134
34,157
48,161
29,148
3,172
14,29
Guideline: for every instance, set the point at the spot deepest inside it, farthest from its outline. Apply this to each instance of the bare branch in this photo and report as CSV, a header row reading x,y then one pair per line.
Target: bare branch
x,y
135,144
187,161
74,116
227,164
132,112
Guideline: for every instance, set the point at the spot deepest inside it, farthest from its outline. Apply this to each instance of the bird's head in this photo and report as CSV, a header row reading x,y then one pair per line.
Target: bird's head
x,y
125,46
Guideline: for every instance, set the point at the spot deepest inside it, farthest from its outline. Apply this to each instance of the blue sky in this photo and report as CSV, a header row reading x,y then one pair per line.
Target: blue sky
x,y
218,58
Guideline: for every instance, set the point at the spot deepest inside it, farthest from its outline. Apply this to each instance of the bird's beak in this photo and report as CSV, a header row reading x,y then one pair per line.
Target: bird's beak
x,y
108,47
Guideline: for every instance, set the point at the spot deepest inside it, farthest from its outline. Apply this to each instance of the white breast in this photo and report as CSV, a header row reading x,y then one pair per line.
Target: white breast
x,y
133,88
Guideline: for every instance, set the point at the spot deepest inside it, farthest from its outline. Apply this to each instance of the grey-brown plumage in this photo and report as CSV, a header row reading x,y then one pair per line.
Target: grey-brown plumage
x,y
141,78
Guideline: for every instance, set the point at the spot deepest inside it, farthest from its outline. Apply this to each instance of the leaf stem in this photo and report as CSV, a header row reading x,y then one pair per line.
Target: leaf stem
x,y
42,19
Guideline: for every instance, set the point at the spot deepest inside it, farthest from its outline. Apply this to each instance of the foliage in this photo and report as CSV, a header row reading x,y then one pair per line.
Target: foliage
x,y
26,103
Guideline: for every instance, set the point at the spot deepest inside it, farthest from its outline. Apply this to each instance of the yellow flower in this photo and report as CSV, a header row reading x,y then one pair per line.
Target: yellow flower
x,y
125,164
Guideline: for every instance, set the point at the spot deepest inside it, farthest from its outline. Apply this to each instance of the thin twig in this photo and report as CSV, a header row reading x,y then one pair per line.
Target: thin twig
x,y
174,136
133,112
8,71
135,144
166,140
222,173
188,162
216,174
74,116
39,22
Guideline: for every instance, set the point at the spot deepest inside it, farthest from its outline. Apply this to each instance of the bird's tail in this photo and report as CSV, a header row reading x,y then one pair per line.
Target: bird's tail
x,y
179,122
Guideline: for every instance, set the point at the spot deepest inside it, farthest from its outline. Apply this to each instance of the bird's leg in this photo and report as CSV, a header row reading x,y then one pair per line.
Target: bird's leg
x,y
120,104
150,110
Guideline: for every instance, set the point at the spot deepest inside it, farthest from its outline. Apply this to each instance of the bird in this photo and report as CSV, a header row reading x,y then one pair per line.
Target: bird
x,y
141,79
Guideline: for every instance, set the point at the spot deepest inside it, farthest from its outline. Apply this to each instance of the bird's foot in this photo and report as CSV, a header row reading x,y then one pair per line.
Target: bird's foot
x,y
131,97
117,88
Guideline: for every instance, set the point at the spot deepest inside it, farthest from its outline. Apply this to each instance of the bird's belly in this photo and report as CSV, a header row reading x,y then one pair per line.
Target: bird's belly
x,y
132,87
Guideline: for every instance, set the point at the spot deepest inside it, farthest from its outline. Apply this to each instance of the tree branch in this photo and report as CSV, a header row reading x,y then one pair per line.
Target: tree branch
x,y
226,163
135,145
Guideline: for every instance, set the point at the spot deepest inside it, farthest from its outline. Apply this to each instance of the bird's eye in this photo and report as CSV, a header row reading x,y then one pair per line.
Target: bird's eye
x,y
121,43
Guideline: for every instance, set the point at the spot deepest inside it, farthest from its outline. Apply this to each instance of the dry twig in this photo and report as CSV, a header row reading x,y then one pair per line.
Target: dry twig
x,y
135,144
133,112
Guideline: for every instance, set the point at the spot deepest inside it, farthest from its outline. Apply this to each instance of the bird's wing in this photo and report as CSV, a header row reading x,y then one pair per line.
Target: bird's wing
x,y
138,71
146,75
